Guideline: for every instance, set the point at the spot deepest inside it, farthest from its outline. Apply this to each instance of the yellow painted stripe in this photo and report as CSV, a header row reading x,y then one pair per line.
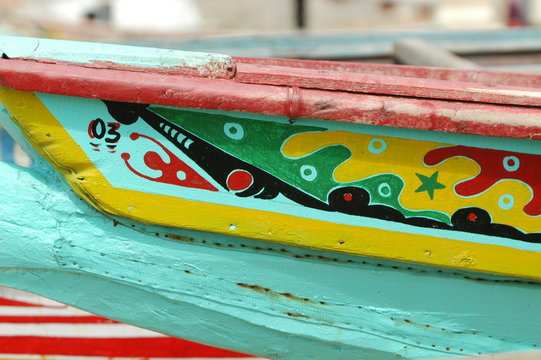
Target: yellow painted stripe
x,y
54,143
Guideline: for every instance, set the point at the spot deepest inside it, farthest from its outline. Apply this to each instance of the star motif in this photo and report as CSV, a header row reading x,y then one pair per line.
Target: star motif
x,y
429,184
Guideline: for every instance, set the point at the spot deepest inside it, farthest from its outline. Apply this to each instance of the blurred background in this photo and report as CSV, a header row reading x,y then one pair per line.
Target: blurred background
x,y
316,29
113,20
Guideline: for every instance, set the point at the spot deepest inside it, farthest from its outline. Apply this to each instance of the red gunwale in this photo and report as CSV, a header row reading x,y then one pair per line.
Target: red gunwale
x,y
308,92
387,85
502,78
160,347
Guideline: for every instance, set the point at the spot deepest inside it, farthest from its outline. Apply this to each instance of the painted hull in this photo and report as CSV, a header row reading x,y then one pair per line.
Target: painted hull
x,y
287,220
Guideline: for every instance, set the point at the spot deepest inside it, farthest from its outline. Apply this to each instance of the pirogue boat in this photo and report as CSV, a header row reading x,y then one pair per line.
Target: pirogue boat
x,y
290,209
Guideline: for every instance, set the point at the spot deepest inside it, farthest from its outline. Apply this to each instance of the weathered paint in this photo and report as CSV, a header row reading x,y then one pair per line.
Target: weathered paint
x,y
387,85
276,301
411,222
230,95
435,73
109,56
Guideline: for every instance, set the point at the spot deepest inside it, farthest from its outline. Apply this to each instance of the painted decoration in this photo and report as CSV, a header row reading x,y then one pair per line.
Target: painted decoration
x,y
375,181
274,300
32,326
423,183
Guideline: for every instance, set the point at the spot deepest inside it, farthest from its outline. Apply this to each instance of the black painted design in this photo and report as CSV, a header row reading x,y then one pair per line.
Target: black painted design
x,y
214,161
348,200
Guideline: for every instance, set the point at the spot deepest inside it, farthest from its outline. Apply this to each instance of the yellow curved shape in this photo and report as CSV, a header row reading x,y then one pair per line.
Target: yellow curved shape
x,y
53,142
404,157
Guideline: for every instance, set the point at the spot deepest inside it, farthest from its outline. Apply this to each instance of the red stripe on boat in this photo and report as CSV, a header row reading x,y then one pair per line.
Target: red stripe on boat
x,y
232,95
9,302
56,320
120,347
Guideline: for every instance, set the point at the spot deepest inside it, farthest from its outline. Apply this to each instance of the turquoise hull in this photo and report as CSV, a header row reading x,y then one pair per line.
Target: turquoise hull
x,y
274,301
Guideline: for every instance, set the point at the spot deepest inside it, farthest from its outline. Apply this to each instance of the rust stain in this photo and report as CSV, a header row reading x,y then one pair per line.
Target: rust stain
x,y
295,315
472,332
466,276
264,290
179,237
323,105
255,288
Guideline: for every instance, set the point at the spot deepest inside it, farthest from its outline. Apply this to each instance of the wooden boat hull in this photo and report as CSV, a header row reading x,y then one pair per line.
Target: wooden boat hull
x,y
280,232
369,306
273,300
361,190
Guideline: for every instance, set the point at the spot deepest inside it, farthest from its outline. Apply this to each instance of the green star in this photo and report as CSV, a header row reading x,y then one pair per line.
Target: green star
x,y
429,184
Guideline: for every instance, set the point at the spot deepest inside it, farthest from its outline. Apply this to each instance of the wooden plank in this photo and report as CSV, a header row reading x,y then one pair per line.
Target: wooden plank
x,y
155,88
353,44
505,78
387,85
420,52
109,56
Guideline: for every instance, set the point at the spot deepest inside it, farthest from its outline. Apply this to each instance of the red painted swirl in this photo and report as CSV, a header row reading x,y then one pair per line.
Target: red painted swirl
x,y
495,165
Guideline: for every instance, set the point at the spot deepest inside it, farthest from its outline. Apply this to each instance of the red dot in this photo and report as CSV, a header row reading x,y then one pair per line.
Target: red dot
x,y
239,180
134,136
472,217
348,196
125,156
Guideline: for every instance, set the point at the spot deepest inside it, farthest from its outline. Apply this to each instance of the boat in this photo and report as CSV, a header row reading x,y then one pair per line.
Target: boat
x,y
290,209
498,48
33,327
